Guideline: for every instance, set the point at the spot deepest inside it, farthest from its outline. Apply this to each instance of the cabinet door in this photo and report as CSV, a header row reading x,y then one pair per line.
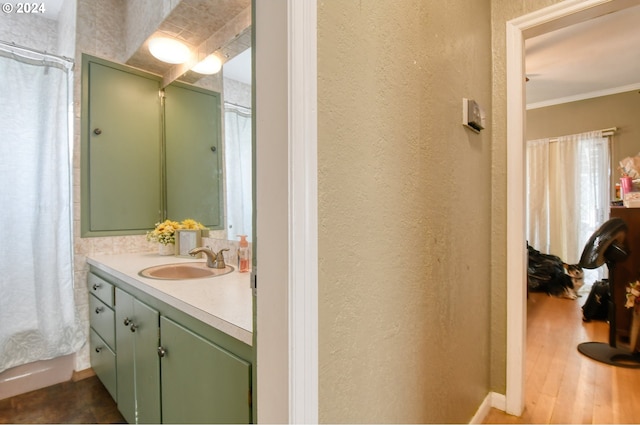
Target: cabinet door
x,y
102,320
193,155
103,362
101,289
147,364
123,137
201,382
125,369
138,365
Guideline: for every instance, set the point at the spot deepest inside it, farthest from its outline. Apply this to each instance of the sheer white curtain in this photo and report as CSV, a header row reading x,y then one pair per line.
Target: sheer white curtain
x,y
238,168
37,311
567,192
537,174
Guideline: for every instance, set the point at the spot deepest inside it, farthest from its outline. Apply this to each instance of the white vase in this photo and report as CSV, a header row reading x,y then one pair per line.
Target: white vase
x,y
168,249
635,328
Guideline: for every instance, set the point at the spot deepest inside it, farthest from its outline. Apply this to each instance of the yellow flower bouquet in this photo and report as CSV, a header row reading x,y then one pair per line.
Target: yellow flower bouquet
x,y
190,224
165,232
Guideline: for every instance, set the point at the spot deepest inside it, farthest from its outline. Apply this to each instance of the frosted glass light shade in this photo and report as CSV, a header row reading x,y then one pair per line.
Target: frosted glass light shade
x,y
210,65
169,50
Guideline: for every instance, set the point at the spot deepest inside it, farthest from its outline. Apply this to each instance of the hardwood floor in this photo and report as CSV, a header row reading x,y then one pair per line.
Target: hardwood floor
x,y
85,401
564,386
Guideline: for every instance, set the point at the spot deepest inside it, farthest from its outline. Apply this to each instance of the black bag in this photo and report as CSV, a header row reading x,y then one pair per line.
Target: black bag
x,y
597,305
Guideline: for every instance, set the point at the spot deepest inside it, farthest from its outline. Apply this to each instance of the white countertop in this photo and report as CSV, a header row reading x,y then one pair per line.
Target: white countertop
x,y
223,302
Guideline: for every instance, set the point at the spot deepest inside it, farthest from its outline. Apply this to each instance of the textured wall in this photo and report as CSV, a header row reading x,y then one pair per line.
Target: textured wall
x,y
67,29
502,11
18,28
404,211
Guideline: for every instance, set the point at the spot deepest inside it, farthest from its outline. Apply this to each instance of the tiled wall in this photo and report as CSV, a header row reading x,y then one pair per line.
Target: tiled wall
x,y
67,29
18,28
237,93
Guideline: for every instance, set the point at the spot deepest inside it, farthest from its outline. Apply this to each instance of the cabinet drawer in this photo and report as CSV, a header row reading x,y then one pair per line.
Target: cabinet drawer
x,y
101,289
102,320
103,362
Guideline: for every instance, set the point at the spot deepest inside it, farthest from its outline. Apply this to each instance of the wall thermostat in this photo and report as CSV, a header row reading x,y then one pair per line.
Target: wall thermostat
x,y
472,115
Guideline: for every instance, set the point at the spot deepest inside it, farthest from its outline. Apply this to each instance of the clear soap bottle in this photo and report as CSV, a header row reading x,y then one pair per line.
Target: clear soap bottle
x,y
244,255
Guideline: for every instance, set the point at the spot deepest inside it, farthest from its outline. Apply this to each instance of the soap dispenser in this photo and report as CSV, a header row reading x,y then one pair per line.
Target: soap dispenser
x,y
244,255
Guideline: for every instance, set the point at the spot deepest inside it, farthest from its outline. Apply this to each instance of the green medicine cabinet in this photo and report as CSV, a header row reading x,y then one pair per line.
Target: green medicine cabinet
x,y
147,154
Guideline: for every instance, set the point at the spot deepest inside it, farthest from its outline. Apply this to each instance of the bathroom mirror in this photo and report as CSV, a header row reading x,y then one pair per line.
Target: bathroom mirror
x,y
227,33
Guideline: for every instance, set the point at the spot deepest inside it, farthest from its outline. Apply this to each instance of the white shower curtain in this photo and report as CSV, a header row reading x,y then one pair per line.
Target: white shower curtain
x,y
38,318
567,192
238,168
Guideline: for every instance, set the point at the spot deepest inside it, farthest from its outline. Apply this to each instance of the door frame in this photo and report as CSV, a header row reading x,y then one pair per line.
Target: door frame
x,y
557,16
286,210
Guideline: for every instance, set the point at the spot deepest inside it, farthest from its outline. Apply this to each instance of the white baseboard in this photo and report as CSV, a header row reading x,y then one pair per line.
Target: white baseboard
x,y
499,401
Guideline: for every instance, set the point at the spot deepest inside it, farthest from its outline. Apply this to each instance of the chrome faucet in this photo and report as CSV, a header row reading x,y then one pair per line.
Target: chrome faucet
x,y
214,261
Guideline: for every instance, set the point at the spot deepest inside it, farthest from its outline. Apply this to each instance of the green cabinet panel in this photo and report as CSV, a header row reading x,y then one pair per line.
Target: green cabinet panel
x,y
123,134
138,365
147,154
125,359
101,289
103,362
193,154
201,382
101,320
147,364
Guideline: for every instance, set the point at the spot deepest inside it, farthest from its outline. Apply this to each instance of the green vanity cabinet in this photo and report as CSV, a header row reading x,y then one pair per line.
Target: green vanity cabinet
x,y
138,365
201,382
170,367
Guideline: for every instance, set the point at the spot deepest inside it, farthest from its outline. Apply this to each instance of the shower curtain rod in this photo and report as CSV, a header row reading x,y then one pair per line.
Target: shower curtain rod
x,y
10,47
237,105
605,132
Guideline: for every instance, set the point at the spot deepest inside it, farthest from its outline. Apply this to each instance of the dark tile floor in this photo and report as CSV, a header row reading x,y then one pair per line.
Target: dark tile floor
x,y
85,401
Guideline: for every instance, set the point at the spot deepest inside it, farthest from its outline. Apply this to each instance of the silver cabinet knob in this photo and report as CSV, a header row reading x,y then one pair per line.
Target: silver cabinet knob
x,y
99,310
162,351
133,327
127,322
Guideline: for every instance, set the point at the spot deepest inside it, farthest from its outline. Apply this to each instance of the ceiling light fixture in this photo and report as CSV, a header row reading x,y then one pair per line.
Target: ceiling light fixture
x,y
169,50
210,65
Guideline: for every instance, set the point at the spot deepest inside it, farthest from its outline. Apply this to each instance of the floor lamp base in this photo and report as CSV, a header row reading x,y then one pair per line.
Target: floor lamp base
x,y
613,356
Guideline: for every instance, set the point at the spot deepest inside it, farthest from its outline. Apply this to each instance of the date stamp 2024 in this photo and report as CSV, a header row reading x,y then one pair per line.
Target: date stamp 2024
x,y
23,8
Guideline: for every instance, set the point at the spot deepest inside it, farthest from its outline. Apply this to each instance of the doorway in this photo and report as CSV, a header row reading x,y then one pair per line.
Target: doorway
x,y
557,16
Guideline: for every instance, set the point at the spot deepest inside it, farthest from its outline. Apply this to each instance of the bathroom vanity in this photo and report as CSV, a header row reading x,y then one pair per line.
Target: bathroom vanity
x,y
171,351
